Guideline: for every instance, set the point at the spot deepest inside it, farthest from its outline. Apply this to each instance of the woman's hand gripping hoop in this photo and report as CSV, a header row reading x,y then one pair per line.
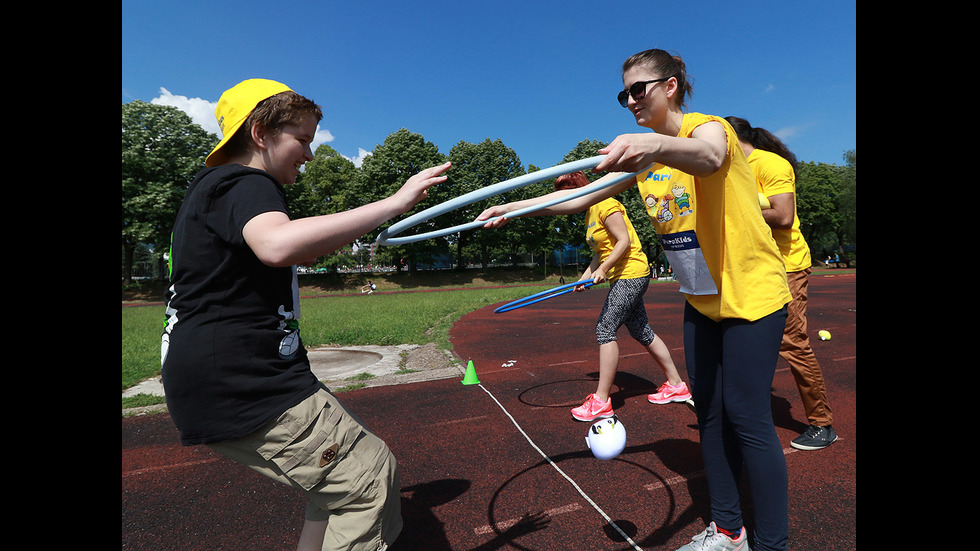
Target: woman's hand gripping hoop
x,y
543,295
387,236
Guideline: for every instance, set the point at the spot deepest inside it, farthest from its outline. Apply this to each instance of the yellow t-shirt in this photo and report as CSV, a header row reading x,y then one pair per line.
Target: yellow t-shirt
x,y
774,175
634,263
718,245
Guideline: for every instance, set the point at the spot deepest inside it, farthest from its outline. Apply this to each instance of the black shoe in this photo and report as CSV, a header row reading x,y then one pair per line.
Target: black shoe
x,y
815,438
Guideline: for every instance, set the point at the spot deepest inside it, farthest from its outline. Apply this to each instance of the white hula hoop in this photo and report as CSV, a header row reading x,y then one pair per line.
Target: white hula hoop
x,y
387,236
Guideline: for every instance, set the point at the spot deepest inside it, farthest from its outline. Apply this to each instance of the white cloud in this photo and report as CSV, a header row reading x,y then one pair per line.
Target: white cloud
x,y
788,133
200,111
321,137
361,154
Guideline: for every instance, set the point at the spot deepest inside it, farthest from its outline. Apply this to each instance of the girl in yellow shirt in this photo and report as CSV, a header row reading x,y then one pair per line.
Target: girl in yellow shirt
x,y
733,280
773,165
619,258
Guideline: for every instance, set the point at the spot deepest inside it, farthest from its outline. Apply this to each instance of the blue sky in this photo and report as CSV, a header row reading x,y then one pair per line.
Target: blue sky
x,y
540,76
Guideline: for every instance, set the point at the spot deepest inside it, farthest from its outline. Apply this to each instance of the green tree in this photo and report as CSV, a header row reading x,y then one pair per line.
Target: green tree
x,y
572,226
162,150
537,235
324,186
402,155
826,205
848,200
476,166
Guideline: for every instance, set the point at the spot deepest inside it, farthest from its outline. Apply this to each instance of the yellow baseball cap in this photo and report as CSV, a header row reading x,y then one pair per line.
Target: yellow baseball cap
x,y
235,105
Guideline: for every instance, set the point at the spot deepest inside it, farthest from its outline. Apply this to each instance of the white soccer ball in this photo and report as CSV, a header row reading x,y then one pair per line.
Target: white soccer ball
x,y
607,438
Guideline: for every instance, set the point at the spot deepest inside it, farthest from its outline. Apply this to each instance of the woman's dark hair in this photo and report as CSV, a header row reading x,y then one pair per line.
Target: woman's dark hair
x,y
760,138
665,65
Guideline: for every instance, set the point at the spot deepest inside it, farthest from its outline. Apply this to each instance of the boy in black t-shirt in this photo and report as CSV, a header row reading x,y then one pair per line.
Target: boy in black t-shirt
x,y
234,368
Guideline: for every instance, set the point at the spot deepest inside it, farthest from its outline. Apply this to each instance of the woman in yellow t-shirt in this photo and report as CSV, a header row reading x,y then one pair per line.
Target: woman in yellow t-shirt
x,y
774,167
702,200
619,259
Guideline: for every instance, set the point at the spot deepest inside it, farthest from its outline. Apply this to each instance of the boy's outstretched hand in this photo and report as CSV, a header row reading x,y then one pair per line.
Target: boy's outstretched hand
x,y
416,188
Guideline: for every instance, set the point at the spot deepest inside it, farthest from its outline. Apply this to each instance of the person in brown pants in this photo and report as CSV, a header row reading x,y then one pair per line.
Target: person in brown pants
x,y
774,166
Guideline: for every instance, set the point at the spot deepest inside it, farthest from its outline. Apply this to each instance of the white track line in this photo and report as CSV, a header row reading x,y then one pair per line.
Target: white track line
x,y
561,472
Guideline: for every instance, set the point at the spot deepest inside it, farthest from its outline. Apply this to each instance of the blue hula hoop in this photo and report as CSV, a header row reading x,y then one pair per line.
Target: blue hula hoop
x,y
386,237
543,295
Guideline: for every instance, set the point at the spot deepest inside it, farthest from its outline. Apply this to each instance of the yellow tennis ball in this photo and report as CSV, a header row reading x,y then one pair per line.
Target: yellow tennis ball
x,y
764,202
824,335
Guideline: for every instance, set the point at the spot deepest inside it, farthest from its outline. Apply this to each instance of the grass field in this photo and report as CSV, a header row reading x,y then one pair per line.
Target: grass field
x,y
391,315
394,314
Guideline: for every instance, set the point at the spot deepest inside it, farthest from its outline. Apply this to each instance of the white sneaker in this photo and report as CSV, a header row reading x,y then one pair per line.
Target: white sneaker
x,y
713,540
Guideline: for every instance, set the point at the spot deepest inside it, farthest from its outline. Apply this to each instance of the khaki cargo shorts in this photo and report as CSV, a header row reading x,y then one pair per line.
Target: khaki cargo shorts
x,y
349,474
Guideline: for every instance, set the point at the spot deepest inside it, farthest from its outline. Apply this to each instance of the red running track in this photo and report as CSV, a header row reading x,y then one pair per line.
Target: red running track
x,y
472,481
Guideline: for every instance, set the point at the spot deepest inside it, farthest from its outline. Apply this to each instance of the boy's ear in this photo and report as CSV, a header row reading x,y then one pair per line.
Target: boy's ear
x,y
259,135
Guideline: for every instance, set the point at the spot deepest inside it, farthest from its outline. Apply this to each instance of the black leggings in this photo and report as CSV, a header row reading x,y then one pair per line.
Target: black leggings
x,y
730,365
624,305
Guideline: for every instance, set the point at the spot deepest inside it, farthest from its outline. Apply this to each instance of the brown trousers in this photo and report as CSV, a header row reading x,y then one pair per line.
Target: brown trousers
x,y
803,363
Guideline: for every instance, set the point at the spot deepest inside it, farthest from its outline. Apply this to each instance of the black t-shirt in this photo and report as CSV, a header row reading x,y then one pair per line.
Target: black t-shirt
x,y
232,358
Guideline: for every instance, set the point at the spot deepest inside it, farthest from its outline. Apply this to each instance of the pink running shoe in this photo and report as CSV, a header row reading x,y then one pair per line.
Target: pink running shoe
x,y
667,393
592,409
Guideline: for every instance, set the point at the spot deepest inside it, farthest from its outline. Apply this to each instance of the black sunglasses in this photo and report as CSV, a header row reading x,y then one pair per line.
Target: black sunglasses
x,y
638,90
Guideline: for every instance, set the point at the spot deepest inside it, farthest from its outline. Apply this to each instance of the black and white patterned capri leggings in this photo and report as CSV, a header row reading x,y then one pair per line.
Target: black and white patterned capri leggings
x,y
624,305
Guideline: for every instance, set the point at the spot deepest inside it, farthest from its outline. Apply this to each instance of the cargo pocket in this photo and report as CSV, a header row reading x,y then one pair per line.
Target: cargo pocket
x,y
308,441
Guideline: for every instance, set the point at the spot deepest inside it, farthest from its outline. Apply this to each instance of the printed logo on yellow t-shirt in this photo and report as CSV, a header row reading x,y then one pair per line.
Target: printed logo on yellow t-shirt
x,y
671,206
667,194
